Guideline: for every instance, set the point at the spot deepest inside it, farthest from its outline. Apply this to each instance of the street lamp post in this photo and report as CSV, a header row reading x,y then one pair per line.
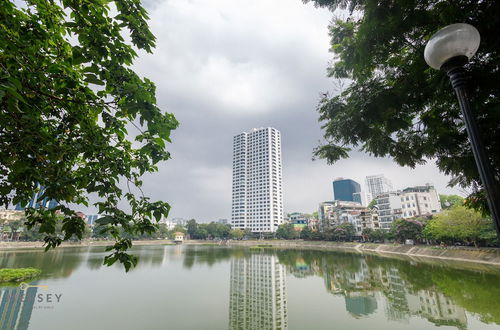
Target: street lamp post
x,y
449,50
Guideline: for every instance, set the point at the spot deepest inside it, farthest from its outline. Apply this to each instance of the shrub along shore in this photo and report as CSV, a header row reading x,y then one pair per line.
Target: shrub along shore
x,y
14,275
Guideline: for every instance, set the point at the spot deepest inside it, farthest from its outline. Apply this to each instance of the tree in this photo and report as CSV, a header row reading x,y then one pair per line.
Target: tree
x,y
460,224
247,232
448,201
395,105
343,232
236,234
218,230
372,203
14,228
202,231
286,231
179,228
403,229
317,236
366,233
378,235
306,233
223,230
76,119
192,228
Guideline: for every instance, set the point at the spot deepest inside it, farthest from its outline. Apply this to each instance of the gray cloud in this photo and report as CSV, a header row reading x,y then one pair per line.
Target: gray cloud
x,y
226,66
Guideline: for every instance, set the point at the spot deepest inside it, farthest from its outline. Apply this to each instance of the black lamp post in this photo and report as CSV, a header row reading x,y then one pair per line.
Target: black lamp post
x,y
449,50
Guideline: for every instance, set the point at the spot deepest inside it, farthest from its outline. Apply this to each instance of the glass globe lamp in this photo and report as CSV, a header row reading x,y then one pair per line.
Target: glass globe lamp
x,y
459,40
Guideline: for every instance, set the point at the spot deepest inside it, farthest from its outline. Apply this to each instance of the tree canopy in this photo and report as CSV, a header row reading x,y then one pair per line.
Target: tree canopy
x,y
76,119
209,230
395,105
460,224
286,231
403,229
448,201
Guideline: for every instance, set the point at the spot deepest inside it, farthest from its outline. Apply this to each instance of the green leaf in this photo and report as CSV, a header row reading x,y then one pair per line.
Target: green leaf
x,y
91,78
106,220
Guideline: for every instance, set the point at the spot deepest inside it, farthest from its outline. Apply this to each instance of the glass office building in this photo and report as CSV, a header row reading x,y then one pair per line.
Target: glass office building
x,y
343,189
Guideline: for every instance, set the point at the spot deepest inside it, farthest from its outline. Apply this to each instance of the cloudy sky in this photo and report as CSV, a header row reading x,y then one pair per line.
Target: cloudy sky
x,y
227,66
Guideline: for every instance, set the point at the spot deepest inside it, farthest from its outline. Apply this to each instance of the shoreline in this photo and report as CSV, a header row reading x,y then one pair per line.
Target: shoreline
x,y
462,255
468,257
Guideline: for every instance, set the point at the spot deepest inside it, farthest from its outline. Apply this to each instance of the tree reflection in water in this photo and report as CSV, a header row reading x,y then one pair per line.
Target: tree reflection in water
x,y
440,294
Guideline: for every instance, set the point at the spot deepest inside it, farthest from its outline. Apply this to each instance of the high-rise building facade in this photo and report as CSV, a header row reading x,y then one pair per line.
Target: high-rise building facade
x,y
91,219
257,187
343,189
37,202
378,184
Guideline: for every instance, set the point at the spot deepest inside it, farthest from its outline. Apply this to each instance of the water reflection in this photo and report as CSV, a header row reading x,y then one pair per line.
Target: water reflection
x,y
439,294
16,307
63,262
59,263
257,298
369,287
360,303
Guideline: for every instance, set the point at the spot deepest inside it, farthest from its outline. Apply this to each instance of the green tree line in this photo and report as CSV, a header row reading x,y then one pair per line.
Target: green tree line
x,y
214,230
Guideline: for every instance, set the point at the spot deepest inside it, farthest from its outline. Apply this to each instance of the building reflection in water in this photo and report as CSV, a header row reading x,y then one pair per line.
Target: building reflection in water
x,y
16,306
367,284
360,303
403,302
257,293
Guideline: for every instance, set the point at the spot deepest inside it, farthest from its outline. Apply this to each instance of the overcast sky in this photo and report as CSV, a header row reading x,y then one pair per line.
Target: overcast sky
x,y
227,66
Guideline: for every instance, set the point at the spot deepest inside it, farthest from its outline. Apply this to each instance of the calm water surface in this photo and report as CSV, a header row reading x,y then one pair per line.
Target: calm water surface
x,y
205,287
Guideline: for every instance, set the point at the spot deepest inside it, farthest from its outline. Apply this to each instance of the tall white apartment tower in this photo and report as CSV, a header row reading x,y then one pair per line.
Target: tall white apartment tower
x,y
257,186
378,184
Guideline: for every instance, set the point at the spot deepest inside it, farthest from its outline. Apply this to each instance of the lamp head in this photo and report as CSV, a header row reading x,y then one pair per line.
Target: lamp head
x,y
459,41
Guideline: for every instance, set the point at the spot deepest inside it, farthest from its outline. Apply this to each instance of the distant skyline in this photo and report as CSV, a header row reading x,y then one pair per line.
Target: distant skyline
x,y
226,66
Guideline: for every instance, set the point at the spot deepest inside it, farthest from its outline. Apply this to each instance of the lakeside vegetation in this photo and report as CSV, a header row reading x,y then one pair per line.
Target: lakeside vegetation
x,y
9,275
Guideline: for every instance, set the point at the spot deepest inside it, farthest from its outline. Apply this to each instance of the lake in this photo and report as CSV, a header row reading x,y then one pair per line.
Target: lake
x,y
212,287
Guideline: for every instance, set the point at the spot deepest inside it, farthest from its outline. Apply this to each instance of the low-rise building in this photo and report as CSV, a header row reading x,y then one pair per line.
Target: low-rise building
x,y
409,203
179,237
313,224
420,201
335,213
369,219
298,218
